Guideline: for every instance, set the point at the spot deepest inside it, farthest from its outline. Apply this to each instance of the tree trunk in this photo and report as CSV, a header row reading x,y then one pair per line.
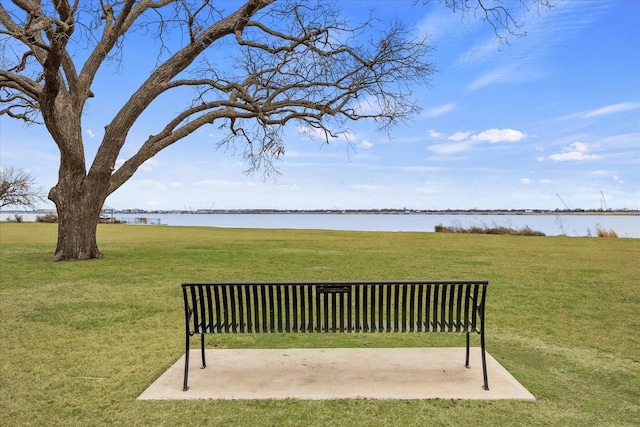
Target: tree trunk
x,y
78,195
76,236
79,201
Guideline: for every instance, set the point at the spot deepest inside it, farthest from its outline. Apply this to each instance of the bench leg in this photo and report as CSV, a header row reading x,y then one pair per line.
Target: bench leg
x,y
466,363
185,387
204,363
484,361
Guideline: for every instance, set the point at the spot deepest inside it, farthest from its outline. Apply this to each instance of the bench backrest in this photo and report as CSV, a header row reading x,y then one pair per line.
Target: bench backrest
x,y
398,306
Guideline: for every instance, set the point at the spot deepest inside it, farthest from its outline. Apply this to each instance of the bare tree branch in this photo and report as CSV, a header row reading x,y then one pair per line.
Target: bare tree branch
x,y
501,18
18,188
286,62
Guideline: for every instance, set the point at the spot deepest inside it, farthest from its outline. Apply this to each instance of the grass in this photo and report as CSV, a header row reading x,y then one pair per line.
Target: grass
x,y
80,341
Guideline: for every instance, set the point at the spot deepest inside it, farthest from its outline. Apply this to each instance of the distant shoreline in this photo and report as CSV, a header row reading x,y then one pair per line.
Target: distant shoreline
x,y
353,211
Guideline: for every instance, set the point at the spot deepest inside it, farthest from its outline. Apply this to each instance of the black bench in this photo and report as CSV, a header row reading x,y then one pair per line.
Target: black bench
x,y
354,307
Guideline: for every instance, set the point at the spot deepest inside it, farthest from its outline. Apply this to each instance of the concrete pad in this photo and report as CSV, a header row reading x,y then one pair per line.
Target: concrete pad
x,y
337,373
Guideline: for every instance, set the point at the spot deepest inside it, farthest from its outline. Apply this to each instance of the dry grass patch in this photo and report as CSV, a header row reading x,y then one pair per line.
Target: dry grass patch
x,y
601,232
525,231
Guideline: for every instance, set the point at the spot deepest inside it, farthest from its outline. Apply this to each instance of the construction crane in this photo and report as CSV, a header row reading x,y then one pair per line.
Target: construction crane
x,y
603,202
563,202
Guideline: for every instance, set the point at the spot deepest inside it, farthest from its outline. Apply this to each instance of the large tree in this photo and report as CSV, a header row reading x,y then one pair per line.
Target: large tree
x,y
293,61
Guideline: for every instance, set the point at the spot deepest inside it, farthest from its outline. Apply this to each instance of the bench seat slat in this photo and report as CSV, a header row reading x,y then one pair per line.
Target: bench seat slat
x,y
360,308
373,307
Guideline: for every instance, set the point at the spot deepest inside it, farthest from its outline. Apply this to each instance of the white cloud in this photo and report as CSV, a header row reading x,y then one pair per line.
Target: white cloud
x,y
366,144
604,111
441,25
612,109
502,75
459,136
490,135
439,111
313,133
148,165
545,29
527,181
578,151
464,141
606,174
435,134
368,105
499,135
541,25
150,183
90,133
453,148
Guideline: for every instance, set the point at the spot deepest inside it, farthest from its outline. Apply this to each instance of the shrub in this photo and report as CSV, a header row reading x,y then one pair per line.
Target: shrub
x,y
50,218
525,231
606,233
16,218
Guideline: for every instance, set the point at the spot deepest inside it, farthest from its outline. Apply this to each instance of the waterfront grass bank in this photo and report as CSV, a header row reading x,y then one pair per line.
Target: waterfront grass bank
x,y
81,340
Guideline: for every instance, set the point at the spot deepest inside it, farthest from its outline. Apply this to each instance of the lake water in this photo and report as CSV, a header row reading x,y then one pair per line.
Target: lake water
x,y
551,225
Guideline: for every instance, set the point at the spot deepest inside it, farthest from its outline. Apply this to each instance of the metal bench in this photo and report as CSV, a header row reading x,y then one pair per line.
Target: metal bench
x,y
334,307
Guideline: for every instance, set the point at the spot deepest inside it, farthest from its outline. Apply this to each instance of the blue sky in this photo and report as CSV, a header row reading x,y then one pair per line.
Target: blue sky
x,y
554,113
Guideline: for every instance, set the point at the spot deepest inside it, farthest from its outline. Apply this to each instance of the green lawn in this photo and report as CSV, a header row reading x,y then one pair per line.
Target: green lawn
x,y
79,341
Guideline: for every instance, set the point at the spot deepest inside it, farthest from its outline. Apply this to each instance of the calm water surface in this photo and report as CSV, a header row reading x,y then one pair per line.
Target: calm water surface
x,y
551,225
